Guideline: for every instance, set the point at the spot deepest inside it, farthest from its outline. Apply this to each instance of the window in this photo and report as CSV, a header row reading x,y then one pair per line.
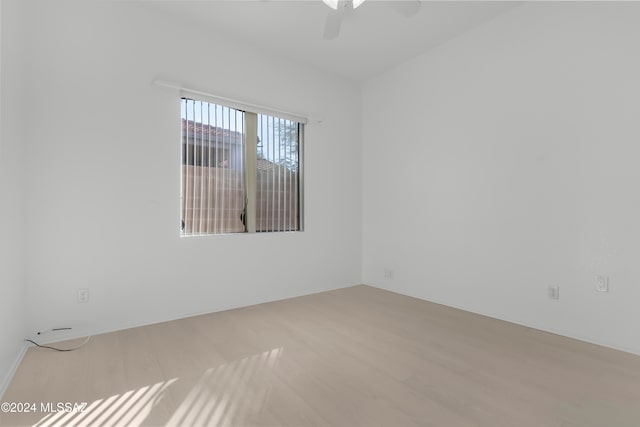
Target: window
x,y
241,170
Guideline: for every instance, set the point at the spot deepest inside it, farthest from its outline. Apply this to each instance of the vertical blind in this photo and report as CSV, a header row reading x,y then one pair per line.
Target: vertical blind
x,y
214,195
277,174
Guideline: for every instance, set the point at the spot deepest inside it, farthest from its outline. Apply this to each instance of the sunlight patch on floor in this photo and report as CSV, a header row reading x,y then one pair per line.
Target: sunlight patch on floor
x,y
129,408
225,395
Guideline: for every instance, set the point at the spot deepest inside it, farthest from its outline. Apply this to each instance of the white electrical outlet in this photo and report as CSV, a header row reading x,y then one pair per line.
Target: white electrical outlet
x,y
602,283
83,296
388,273
554,292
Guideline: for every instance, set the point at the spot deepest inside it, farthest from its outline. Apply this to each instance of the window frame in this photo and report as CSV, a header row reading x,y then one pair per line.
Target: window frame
x,y
250,160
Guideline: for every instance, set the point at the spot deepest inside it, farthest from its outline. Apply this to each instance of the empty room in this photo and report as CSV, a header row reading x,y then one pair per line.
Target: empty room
x,y
320,212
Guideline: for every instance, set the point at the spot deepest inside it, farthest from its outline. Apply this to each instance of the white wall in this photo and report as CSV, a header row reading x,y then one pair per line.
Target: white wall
x,y
507,160
495,165
103,167
12,249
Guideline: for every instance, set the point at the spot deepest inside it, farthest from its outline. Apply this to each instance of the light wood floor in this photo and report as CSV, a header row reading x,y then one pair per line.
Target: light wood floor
x,y
353,357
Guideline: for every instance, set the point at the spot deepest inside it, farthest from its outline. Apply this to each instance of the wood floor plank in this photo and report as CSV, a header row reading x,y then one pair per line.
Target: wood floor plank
x,y
357,356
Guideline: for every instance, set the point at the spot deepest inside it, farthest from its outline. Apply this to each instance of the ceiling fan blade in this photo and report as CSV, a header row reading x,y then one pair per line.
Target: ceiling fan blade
x,y
407,8
333,4
333,23
357,3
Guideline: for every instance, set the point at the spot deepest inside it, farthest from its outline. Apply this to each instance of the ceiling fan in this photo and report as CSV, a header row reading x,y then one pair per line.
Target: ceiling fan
x,y
333,4
334,19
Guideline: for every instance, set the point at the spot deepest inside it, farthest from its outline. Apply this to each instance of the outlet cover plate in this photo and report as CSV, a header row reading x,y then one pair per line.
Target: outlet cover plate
x,y
602,283
83,296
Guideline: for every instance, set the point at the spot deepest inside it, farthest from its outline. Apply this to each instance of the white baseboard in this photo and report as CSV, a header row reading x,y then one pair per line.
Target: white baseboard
x,y
14,367
635,351
84,331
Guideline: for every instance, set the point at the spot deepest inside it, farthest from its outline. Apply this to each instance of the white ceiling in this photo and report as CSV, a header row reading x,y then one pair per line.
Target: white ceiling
x,y
373,38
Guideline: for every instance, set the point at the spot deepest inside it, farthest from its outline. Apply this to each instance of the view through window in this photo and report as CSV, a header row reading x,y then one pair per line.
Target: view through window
x,y
241,171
